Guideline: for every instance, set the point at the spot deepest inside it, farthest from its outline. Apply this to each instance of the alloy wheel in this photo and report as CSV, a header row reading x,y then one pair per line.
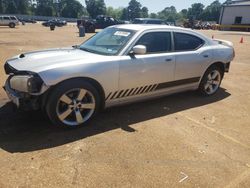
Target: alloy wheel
x,y
76,107
213,82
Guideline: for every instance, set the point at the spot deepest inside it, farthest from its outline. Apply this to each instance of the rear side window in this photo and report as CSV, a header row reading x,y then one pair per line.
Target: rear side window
x,y
6,18
156,42
187,42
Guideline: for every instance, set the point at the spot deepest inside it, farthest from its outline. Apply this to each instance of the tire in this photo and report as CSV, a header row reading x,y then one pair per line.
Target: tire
x,y
211,81
12,25
72,103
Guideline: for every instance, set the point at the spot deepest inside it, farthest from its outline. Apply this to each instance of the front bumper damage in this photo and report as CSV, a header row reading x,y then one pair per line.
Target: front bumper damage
x,y
25,96
22,100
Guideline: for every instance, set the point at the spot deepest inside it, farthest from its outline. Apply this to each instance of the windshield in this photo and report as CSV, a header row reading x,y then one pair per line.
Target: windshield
x,y
108,42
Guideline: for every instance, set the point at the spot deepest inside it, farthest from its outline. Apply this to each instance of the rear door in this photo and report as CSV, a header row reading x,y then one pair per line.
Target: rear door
x,y
191,56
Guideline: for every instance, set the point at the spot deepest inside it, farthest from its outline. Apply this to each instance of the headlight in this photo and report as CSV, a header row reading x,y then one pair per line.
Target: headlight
x,y
26,83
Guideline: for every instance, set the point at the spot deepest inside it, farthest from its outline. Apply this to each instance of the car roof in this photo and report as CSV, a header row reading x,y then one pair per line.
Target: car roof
x,y
145,27
142,27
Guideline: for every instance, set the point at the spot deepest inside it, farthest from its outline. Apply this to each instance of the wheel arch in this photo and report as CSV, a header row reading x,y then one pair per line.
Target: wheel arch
x,y
14,24
92,81
219,64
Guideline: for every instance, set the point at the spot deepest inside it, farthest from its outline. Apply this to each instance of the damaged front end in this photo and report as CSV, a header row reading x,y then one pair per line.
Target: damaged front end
x,y
24,88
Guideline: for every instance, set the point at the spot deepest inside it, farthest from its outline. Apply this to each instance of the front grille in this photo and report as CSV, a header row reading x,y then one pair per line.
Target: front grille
x,y
9,69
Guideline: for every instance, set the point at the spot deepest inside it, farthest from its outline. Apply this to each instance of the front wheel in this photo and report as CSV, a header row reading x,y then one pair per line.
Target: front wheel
x,y
211,81
72,103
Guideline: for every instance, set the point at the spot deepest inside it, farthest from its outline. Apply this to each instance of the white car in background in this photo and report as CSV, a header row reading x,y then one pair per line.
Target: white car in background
x,y
10,21
121,64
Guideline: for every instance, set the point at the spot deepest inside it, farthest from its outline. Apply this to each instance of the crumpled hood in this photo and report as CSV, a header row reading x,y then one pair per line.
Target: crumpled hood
x,y
42,60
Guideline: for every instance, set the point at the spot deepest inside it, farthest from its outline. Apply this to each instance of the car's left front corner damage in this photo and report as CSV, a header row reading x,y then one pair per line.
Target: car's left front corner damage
x,y
25,89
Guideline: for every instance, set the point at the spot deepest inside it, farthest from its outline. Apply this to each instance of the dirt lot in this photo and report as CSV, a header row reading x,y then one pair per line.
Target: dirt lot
x,y
182,140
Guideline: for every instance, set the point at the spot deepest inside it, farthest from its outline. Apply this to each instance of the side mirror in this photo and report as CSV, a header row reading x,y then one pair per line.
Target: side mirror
x,y
139,50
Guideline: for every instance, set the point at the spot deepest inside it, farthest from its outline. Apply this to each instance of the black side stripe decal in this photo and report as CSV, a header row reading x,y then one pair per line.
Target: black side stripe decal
x,y
114,95
150,88
135,91
118,96
130,92
124,94
144,89
138,92
108,96
177,83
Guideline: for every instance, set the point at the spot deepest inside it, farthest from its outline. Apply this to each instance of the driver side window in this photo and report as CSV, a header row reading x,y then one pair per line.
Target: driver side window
x,y
156,42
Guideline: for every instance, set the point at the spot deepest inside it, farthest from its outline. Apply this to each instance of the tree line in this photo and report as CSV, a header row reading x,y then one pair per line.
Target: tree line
x,y
74,9
64,8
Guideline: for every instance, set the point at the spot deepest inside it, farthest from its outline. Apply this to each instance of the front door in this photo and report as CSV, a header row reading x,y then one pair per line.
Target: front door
x,y
142,74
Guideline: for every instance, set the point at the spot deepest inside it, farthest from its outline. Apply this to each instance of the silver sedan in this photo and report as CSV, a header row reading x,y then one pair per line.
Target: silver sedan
x,y
121,64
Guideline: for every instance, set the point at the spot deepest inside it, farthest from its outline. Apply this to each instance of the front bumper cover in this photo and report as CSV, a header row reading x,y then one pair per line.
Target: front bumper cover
x,y
22,101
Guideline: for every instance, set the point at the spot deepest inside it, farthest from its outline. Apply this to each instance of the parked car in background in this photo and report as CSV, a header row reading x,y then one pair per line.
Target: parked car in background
x,y
56,22
101,22
26,20
105,21
10,21
88,24
148,21
119,65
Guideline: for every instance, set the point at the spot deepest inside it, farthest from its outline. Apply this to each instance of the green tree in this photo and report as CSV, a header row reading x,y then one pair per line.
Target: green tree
x,y
169,14
95,7
114,12
196,10
71,8
144,12
134,9
212,12
22,6
153,15
184,13
124,15
227,2
45,8
1,7
11,7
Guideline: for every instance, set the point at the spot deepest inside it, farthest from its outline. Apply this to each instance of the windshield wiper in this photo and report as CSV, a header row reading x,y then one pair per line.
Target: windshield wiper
x,y
87,50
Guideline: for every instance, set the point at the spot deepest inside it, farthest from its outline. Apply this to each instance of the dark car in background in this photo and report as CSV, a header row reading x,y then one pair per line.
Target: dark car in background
x,y
105,21
88,24
148,21
101,22
56,22
27,20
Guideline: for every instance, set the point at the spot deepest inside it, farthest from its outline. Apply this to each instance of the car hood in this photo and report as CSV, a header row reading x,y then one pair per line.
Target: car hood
x,y
46,59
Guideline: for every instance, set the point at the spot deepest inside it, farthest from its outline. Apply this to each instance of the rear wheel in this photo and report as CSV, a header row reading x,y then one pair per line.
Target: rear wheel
x,y
12,25
73,103
211,81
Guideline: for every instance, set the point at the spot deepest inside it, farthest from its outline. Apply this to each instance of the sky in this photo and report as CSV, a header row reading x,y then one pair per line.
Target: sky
x,y
157,5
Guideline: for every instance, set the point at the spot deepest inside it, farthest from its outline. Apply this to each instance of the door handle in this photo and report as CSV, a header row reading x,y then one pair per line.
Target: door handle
x,y
206,56
169,59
